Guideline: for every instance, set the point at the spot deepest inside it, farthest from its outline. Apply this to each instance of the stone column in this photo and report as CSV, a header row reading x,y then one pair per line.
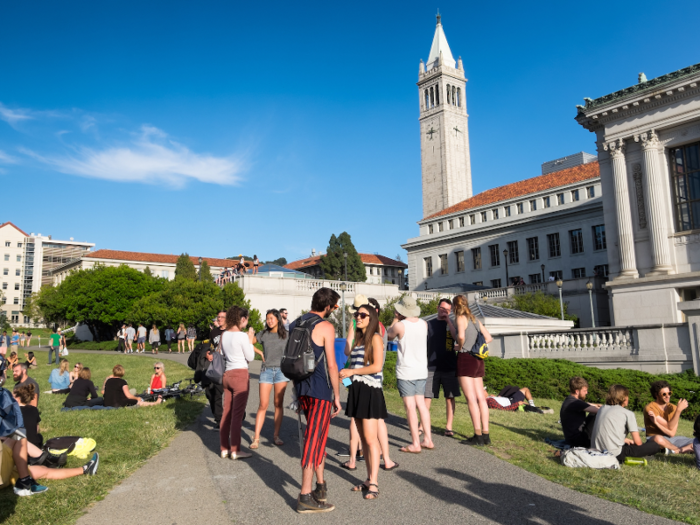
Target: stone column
x,y
628,262
651,172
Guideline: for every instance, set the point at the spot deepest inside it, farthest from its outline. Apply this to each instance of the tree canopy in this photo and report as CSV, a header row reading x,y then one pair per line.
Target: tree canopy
x,y
184,269
205,272
333,262
540,303
232,294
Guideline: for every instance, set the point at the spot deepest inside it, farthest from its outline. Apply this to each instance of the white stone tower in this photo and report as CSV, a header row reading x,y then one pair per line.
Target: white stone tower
x,y
444,134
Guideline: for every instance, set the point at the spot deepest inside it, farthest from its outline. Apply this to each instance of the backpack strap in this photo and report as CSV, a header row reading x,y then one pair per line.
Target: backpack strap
x,y
314,322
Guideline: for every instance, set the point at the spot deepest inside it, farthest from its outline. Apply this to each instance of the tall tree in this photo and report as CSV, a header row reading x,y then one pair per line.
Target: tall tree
x,y
333,263
184,269
279,262
233,295
205,272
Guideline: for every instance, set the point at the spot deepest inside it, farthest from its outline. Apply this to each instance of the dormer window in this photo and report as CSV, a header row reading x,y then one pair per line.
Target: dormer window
x,y
430,228
483,216
547,203
495,214
560,198
520,208
533,205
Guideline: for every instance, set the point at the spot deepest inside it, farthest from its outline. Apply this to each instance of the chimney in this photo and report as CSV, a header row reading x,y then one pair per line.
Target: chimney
x,y
313,252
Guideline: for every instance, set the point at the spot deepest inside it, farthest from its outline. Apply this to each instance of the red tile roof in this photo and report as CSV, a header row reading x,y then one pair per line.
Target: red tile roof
x,y
8,223
367,258
159,258
525,187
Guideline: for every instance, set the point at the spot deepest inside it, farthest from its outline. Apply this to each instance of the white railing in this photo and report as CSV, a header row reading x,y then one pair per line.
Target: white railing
x,y
530,288
605,340
305,285
492,293
335,285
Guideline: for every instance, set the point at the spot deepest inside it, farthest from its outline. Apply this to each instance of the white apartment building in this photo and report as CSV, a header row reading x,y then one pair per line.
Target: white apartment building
x,y
379,268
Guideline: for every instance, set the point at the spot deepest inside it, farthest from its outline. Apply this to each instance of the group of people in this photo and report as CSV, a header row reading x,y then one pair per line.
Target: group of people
x,y
127,334
229,275
16,340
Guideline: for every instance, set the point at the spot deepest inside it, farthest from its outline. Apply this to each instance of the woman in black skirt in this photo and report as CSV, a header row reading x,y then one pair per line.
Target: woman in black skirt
x,y
365,395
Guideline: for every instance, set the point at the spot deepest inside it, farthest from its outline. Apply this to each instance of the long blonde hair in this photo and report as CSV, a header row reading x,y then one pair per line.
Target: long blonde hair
x,y
64,367
462,308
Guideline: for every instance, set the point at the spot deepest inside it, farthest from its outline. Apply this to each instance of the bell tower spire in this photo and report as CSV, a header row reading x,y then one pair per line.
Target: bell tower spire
x,y
445,159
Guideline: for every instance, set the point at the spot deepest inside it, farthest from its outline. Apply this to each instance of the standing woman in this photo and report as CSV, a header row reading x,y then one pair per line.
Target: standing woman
x,y
238,350
29,338
181,334
365,395
191,336
256,263
154,339
273,339
470,369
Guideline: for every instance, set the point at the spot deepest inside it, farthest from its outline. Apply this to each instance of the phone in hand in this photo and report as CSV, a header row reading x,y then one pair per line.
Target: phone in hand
x,y
347,382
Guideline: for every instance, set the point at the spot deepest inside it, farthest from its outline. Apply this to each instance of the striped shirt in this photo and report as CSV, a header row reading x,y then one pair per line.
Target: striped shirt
x,y
357,360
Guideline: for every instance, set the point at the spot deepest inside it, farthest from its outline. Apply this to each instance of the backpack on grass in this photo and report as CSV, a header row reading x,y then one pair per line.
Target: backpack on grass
x,y
299,361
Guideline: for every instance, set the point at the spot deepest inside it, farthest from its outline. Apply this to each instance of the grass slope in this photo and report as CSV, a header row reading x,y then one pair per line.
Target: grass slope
x,y
126,438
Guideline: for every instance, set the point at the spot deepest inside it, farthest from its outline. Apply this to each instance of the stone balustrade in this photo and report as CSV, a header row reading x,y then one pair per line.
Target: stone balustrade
x,y
604,339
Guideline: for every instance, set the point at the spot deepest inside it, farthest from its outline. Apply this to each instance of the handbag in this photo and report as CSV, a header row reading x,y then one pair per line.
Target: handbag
x,y
215,372
480,350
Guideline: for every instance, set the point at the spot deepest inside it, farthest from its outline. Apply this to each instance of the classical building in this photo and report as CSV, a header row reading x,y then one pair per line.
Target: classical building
x,y
28,261
380,269
648,138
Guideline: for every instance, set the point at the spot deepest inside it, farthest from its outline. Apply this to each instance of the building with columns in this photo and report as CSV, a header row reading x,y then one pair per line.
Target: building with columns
x,y
648,138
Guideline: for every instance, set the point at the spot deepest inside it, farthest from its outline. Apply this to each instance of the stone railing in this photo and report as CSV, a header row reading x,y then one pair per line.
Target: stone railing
x,y
604,339
492,293
530,288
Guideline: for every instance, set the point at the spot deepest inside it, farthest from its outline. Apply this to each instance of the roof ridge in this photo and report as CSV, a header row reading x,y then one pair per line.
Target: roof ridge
x,y
15,227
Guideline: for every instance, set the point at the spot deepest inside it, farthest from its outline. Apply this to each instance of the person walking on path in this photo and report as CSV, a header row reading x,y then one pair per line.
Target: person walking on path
x,y
191,336
412,369
130,334
470,370
365,395
121,338
141,339
169,337
54,343
274,340
154,339
181,334
319,398
238,351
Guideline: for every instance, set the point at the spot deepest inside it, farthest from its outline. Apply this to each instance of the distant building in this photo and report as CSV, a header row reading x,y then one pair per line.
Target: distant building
x,y
380,269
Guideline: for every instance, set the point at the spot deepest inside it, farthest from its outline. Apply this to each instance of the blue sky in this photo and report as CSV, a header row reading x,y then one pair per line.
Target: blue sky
x,y
219,128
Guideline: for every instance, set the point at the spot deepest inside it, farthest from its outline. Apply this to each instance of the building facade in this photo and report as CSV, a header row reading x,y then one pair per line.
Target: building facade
x,y
379,269
648,138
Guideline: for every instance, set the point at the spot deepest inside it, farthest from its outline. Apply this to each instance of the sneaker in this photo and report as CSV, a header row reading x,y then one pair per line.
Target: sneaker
x,y
90,468
307,504
224,454
23,488
475,440
38,489
321,492
486,438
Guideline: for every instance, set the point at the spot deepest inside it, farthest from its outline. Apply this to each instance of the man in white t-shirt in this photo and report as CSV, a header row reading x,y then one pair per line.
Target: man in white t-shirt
x,y
130,334
141,341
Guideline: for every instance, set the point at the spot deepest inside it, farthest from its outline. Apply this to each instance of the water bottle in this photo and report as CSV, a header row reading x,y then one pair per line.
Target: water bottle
x,y
309,361
640,462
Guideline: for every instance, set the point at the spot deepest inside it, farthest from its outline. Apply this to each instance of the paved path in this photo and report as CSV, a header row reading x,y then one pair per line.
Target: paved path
x,y
188,483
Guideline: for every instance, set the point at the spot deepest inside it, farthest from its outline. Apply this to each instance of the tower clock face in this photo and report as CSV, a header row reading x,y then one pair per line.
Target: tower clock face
x,y
432,130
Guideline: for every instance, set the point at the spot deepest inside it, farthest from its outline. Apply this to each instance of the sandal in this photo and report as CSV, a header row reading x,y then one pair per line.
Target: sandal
x,y
372,494
255,444
347,466
277,441
449,433
360,488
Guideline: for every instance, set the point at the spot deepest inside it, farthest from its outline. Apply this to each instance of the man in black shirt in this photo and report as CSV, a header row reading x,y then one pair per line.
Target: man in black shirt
x,y
213,391
577,416
442,362
19,372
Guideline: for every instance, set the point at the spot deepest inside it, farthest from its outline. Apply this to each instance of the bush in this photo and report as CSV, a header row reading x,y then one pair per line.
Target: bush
x,y
549,379
541,304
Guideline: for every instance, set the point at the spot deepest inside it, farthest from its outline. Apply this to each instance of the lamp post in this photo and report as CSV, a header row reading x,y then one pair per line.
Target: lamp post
x,y
542,267
560,283
343,287
345,257
589,285
200,268
505,258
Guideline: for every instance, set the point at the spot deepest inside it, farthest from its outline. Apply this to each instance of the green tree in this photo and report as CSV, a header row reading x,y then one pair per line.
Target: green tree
x,y
279,262
233,295
31,308
541,304
205,272
148,272
184,269
333,262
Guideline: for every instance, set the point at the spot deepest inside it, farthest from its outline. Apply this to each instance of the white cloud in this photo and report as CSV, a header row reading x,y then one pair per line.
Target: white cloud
x,y
7,159
151,158
13,116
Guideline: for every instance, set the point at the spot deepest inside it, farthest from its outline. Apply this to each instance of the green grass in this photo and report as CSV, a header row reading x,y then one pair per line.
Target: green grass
x,y
125,438
667,487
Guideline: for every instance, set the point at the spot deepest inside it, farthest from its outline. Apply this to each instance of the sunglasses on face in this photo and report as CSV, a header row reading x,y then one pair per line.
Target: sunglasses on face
x,y
156,368
361,315
334,307
665,394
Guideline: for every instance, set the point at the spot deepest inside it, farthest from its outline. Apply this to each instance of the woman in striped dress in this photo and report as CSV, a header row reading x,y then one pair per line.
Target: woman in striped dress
x,y
365,395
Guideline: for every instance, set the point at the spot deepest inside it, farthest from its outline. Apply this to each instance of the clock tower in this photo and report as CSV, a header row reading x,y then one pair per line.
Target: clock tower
x,y
444,134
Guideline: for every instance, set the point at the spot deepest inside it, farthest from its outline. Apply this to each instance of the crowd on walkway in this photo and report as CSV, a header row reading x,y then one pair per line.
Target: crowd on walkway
x,y
183,338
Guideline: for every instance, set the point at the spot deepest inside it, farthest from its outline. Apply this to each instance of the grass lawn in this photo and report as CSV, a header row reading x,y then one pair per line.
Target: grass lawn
x,y
125,438
667,487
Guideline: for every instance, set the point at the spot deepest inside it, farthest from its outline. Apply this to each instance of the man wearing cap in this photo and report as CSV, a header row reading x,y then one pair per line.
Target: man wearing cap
x,y
412,369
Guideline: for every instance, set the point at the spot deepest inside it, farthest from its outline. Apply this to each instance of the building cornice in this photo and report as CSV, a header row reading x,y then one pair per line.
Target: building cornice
x,y
436,72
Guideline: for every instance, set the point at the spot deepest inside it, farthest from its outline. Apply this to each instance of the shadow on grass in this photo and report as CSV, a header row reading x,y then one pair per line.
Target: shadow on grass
x,y
187,410
538,435
8,502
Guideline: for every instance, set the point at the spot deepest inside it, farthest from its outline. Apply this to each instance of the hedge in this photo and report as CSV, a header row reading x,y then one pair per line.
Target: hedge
x,y
549,379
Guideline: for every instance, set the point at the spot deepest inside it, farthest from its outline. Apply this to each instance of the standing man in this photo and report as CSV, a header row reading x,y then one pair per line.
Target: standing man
x,y
285,321
577,416
130,333
141,341
169,337
661,419
319,398
214,391
442,362
54,343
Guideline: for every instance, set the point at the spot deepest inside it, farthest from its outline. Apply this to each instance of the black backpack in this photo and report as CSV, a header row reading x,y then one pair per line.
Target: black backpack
x,y
299,361
193,358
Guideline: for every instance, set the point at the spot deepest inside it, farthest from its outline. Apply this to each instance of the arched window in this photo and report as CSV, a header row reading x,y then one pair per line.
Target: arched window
x,y
437,95
447,98
427,100
432,98
459,97
454,96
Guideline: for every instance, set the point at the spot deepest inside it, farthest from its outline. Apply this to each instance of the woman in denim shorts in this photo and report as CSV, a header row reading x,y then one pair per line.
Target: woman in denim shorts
x,y
273,340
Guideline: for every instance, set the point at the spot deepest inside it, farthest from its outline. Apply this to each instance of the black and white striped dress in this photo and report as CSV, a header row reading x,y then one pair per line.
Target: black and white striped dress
x,y
365,395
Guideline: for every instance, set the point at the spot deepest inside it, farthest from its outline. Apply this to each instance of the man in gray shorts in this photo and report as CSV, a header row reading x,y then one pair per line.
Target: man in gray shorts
x,y
130,333
141,341
442,362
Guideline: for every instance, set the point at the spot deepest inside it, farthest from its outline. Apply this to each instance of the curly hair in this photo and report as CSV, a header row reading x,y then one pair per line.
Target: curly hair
x,y
658,386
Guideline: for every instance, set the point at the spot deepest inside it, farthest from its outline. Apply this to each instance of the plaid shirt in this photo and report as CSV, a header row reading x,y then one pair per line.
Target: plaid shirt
x,y
492,403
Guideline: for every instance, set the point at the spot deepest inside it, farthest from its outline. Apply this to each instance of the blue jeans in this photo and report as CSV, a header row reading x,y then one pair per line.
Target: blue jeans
x,y
53,349
272,375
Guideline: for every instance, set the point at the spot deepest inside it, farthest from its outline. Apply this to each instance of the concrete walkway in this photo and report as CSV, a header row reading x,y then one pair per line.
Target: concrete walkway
x,y
188,483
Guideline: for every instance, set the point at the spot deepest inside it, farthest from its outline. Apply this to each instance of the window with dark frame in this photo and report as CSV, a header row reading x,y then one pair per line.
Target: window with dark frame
x,y
495,283
472,219
430,228
557,274
576,239
520,208
459,260
578,273
685,177
428,263
574,195
495,255
533,205
535,278
483,216
461,222
547,202
554,246
495,214
441,226
560,198
533,248
513,256
444,270
590,191
476,257
506,211
601,270
451,224
599,242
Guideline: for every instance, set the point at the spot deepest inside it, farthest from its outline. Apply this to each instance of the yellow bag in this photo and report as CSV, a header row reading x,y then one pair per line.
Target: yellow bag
x,y
83,448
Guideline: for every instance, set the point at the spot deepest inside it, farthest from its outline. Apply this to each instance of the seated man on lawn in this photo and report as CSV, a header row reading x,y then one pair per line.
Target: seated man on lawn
x,y
19,372
661,419
612,424
577,416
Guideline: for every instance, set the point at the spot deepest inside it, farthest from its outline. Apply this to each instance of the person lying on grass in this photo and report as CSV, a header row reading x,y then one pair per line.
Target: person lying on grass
x,y
117,394
15,469
661,420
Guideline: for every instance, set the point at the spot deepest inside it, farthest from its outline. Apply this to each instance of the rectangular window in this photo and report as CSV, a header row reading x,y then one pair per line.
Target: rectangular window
x,y
19,245
6,271
546,202
16,286
15,300
476,256
441,226
520,208
513,256
451,224
533,248
8,244
506,211
555,275
478,283
495,214
4,286
443,265
17,272
533,205
164,274
600,270
428,263
576,238
483,216
599,237
472,219
430,228
685,176
7,256
495,283
495,256
459,259
19,258
461,222
535,278
554,246
578,273
371,270
560,198
574,196
590,191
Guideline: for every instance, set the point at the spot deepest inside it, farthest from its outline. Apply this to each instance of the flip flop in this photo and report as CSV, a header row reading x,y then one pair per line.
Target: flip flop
x,y
449,433
346,467
404,449
396,465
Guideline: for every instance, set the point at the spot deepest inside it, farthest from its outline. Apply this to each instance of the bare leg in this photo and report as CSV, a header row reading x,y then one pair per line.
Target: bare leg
x,y
526,392
409,404
265,389
425,418
467,384
370,444
483,406
355,443
450,412
383,435
279,407
663,442
19,455
428,402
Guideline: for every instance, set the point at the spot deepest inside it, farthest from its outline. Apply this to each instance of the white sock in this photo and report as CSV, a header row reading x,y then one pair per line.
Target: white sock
x,y
532,403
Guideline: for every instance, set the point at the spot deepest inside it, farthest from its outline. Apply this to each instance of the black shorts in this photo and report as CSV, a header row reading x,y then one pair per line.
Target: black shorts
x,y
448,380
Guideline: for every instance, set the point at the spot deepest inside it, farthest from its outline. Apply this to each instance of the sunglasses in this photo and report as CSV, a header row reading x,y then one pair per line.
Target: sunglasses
x,y
334,307
156,368
361,315
666,394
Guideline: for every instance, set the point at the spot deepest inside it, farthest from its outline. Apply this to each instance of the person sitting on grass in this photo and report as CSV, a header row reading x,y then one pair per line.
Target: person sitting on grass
x,y
12,360
158,377
116,392
19,372
661,419
612,424
60,378
82,387
15,469
696,441
31,360
30,414
75,373
577,416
